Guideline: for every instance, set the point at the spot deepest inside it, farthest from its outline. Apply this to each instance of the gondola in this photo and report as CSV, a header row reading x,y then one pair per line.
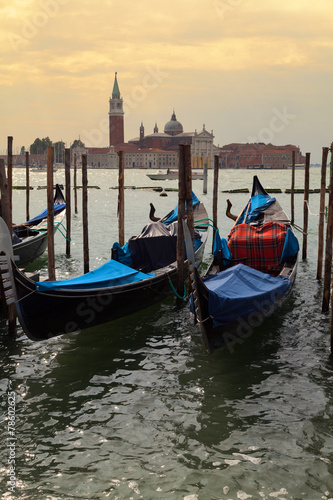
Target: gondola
x,y
251,275
139,274
30,238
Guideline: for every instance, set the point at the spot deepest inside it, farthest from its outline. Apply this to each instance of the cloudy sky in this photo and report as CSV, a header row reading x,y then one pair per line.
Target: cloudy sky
x,y
250,70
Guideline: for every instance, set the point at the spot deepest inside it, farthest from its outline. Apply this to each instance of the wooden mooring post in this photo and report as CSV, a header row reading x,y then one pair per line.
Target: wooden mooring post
x,y
85,214
181,217
10,177
215,195
205,179
306,205
322,214
121,199
68,199
27,186
50,214
292,190
328,245
5,206
75,185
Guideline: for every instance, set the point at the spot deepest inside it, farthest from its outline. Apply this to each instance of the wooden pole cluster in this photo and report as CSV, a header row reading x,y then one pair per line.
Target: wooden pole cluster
x,y
328,245
50,214
184,199
322,214
121,199
68,199
85,214
306,205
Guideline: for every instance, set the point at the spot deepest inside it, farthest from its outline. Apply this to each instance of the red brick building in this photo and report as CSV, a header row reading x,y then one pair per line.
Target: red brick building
x,y
259,156
116,116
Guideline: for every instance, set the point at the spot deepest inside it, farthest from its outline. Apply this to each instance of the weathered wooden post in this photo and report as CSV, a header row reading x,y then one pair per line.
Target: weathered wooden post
x,y
181,216
68,199
215,196
205,177
85,214
121,199
188,189
322,214
27,186
75,185
306,205
328,245
10,177
50,214
5,205
292,191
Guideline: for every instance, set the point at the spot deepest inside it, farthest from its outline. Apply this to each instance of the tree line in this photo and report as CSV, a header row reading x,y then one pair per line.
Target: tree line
x,y
39,146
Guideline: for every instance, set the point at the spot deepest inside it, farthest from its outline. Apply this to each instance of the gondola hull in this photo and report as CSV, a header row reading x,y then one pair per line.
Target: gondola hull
x,y
44,315
234,298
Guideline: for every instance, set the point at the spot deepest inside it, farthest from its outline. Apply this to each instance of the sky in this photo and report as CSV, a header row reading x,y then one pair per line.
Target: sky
x,y
248,70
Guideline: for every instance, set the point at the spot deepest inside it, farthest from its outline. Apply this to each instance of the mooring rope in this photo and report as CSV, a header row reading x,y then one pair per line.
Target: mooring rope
x,y
176,293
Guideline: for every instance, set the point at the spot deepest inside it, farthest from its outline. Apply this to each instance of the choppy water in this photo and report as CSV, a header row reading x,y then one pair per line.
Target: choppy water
x,y
137,409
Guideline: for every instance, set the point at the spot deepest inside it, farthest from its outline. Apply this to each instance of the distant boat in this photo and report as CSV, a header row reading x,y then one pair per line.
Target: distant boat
x,y
41,168
160,175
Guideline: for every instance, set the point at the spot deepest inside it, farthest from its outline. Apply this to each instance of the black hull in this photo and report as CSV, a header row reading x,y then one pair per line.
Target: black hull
x,y
236,333
44,315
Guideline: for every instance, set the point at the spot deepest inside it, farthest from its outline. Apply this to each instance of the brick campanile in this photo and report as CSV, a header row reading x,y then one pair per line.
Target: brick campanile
x,y
116,116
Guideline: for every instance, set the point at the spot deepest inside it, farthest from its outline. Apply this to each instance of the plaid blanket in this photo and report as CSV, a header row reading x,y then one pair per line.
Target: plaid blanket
x,y
260,247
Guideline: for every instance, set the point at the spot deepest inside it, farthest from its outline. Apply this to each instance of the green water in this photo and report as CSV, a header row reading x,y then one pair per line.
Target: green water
x,y
137,409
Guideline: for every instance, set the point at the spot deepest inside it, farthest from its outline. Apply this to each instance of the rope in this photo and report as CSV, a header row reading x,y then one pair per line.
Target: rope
x,y
175,291
308,207
57,227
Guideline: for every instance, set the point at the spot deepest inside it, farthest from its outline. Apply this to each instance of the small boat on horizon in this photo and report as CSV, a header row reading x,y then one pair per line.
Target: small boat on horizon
x,y
161,175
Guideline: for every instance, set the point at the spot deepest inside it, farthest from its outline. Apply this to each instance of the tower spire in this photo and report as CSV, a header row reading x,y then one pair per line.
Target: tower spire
x,y
115,91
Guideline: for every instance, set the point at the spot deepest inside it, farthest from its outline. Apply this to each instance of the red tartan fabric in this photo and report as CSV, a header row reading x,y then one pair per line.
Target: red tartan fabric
x,y
261,246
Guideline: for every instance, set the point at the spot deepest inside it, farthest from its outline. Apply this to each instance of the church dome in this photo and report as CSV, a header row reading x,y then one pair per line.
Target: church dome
x,y
173,127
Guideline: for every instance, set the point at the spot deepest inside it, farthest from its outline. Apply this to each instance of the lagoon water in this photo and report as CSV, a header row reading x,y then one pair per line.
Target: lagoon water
x,y
136,409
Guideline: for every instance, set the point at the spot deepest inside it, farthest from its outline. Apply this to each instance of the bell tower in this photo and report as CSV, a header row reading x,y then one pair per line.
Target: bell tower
x,y
116,116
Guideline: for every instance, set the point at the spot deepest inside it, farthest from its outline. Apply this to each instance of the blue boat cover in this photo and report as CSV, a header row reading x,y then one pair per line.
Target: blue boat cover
x,y
110,274
290,247
36,220
258,203
173,216
239,291
221,244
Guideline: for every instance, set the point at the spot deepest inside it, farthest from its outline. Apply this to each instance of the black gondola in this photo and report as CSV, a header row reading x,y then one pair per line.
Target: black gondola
x,y
30,238
140,274
251,275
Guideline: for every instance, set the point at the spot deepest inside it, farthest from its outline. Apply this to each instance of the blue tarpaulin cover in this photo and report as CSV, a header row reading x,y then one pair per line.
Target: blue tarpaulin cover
x,y
43,215
258,203
239,291
290,247
173,216
110,274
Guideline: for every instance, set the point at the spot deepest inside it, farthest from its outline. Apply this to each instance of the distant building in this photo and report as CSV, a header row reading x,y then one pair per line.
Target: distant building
x,y
116,116
254,156
202,146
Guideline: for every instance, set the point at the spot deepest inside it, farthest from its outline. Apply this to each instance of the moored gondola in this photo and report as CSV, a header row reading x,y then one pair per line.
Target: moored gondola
x,y
141,273
30,238
251,275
